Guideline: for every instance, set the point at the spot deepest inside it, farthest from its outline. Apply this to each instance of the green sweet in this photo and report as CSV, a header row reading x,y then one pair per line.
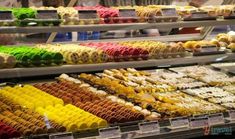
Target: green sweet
x,y
23,59
47,58
58,58
35,59
26,55
24,13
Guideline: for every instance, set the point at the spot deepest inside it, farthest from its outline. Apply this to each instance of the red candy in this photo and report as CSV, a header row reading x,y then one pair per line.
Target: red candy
x,y
119,52
7,132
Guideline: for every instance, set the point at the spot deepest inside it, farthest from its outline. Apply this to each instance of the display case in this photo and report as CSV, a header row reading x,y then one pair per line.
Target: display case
x,y
172,86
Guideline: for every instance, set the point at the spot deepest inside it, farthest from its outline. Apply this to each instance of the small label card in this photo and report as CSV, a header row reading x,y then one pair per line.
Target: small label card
x,y
47,14
199,15
41,136
127,13
231,114
110,132
197,122
179,122
6,15
169,12
217,118
208,49
87,14
68,135
146,127
200,115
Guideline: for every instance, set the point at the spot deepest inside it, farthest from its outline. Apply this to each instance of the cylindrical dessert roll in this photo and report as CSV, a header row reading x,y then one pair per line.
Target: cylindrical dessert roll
x,y
84,57
71,57
94,56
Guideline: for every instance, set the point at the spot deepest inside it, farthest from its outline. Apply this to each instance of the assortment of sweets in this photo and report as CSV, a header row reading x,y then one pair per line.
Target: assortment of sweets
x,y
205,74
214,95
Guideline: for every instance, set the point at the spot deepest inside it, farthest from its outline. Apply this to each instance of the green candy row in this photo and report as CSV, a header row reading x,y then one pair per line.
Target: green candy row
x,y
27,56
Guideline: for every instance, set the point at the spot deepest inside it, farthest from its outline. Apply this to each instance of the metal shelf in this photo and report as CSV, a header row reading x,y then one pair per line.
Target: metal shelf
x,y
107,27
40,71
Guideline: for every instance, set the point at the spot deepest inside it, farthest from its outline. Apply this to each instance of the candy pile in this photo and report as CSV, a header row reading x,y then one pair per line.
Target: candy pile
x,y
85,99
205,74
215,95
168,104
178,80
119,52
23,110
158,49
74,54
29,97
72,118
29,56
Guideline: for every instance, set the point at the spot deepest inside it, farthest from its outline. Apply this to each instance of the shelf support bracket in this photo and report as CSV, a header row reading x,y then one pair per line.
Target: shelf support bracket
x,y
53,34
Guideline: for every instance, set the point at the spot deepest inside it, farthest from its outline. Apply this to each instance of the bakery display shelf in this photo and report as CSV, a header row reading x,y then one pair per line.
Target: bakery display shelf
x,y
107,27
129,129
40,71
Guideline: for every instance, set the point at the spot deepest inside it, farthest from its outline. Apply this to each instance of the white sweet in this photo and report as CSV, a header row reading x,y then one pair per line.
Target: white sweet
x,y
129,104
70,79
155,114
64,76
84,85
137,108
77,82
113,98
93,89
146,112
101,92
121,101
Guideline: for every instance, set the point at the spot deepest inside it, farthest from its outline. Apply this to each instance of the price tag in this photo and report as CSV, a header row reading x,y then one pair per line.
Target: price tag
x,y
196,122
231,114
179,122
208,49
111,132
47,14
6,15
217,118
200,115
169,12
147,127
87,14
199,15
41,136
127,13
61,136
